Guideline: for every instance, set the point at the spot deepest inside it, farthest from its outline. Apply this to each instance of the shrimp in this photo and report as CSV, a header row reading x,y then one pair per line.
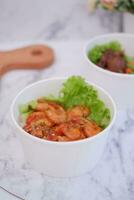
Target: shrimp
x,y
51,122
38,130
69,130
38,116
53,111
51,136
36,124
77,112
41,130
73,133
90,128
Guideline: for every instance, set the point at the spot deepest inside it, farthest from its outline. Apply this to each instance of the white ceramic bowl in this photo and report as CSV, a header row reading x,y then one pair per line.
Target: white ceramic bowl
x,y
120,86
60,159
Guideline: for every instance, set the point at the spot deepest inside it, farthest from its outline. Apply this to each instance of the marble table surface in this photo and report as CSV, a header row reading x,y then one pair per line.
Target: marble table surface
x,y
112,178
59,20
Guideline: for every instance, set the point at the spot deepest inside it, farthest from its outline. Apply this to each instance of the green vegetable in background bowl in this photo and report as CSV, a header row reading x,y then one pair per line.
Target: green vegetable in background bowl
x,y
111,56
97,51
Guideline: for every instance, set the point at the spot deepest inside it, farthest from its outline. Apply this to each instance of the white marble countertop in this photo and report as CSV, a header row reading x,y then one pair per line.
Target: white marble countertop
x,y
58,20
65,25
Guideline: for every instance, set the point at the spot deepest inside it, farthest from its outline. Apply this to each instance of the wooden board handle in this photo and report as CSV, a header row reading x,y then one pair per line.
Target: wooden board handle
x,y
31,57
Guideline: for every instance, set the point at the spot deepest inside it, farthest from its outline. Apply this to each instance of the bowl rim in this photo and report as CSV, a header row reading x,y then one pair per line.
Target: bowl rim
x,y
76,142
90,41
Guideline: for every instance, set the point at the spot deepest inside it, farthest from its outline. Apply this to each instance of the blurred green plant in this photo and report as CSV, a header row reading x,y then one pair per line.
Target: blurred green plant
x,y
113,5
125,5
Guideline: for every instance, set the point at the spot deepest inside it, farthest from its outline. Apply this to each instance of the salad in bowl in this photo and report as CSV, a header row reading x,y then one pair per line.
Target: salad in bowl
x,y
63,124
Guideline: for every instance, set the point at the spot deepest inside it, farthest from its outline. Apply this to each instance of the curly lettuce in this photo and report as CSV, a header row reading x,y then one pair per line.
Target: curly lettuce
x,y
76,91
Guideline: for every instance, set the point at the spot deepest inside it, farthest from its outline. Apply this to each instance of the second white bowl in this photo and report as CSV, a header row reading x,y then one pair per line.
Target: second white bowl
x,y
120,86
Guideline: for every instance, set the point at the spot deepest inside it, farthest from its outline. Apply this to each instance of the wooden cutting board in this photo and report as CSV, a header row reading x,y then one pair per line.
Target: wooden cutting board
x,y
30,57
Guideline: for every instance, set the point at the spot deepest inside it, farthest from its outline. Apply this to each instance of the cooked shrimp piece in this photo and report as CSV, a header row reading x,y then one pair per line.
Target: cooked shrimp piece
x,y
88,128
60,129
70,130
41,100
42,106
77,112
37,116
51,137
91,128
82,136
38,128
38,131
53,111
73,133
43,131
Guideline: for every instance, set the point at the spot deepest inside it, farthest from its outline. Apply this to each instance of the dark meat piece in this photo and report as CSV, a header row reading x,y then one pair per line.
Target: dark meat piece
x,y
117,64
113,61
105,57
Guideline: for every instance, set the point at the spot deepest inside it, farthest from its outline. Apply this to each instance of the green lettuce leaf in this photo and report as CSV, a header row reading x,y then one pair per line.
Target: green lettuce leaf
x,y
76,91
